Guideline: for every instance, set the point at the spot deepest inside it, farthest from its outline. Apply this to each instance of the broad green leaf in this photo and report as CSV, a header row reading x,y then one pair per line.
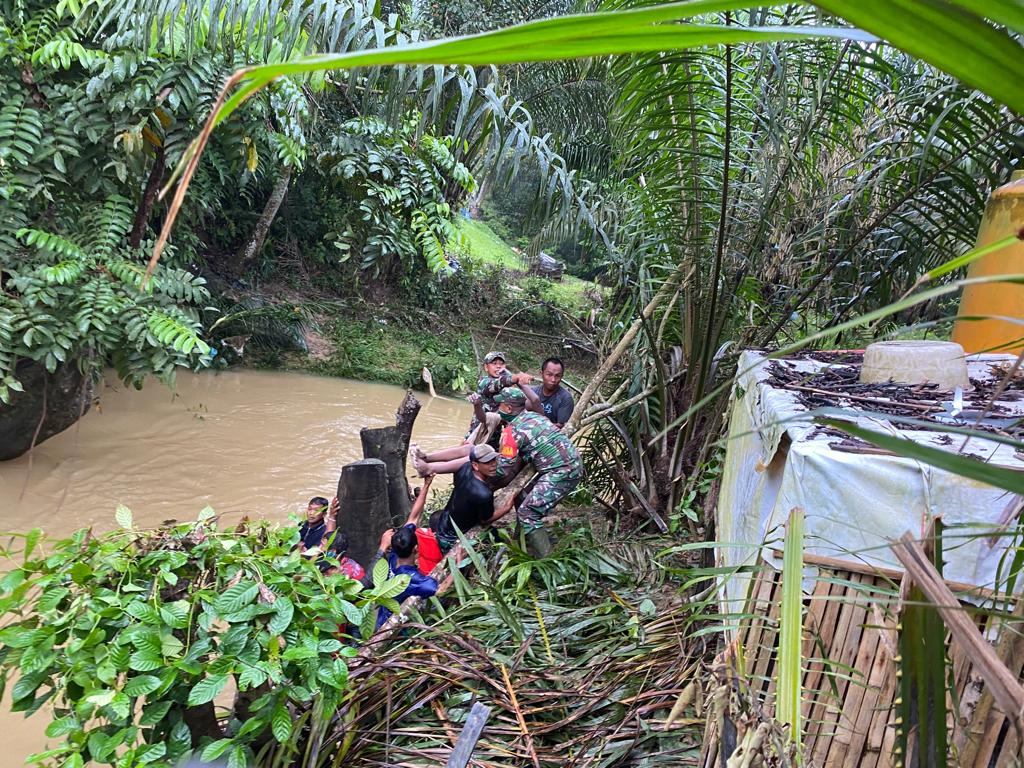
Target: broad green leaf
x,y
63,726
281,723
154,712
282,618
215,749
147,753
391,588
145,661
237,758
31,539
381,571
234,599
206,689
141,685
124,518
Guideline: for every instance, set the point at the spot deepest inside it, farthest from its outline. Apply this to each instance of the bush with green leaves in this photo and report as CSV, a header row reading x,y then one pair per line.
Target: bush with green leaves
x,y
131,637
401,186
80,301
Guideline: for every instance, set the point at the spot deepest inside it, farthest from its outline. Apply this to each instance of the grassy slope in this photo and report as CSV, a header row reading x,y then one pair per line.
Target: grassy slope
x,y
393,344
485,246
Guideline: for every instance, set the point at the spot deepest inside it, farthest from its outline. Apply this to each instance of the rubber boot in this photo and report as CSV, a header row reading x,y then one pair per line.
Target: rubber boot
x,y
538,544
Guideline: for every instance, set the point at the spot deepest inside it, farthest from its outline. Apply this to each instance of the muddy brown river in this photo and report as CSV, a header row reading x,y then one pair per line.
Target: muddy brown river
x,y
247,442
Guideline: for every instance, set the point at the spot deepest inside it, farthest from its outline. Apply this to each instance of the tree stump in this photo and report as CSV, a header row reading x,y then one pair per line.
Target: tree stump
x,y
364,510
391,445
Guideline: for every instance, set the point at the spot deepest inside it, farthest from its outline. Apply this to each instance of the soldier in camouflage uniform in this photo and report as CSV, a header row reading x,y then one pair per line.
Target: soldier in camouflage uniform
x,y
558,465
496,377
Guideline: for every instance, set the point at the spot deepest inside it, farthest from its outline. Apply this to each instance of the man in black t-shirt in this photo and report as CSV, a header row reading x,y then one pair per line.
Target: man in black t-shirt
x,y
470,505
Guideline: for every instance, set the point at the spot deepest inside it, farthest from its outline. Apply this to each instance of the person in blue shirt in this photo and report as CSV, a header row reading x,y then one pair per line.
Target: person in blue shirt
x,y
402,560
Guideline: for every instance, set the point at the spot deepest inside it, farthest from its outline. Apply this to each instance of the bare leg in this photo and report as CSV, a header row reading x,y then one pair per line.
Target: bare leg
x,y
426,468
448,454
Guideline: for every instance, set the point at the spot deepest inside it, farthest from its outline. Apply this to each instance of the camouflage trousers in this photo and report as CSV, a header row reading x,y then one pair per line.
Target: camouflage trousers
x,y
549,489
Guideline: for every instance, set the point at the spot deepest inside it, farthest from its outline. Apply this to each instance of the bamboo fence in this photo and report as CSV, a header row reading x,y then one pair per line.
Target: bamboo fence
x,y
849,678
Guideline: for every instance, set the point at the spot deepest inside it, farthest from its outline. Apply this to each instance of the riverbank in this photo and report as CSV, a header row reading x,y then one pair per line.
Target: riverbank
x,y
388,334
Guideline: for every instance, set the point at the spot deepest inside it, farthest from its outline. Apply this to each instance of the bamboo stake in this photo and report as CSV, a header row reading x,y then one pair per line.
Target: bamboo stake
x,y
620,349
1000,681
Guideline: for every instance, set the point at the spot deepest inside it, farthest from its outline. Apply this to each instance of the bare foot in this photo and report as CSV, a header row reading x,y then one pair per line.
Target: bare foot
x,y
422,468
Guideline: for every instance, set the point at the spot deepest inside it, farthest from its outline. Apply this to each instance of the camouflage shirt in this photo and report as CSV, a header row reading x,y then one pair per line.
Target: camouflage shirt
x,y
541,442
489,386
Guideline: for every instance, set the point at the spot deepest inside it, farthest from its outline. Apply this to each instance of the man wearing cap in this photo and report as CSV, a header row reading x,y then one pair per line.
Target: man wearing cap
x,y
496,377
485,421
471,504
558,464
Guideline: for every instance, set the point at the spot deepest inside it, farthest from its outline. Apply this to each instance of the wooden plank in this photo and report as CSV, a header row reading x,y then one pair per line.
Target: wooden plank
x,y
877,697
765,653
466,743
862,694
856,614
854,566
813,628
1000,681
823,692
758,605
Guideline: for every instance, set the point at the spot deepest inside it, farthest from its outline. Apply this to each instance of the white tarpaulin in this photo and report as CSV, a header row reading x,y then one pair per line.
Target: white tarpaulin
x,y
854,502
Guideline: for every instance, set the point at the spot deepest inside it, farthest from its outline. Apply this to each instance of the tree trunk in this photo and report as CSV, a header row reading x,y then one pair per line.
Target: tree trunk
x,y
202,721
391,445
259,234
156,176
364,509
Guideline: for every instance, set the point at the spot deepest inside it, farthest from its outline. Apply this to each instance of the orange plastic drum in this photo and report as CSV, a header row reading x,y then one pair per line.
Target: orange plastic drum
x,y
1004,216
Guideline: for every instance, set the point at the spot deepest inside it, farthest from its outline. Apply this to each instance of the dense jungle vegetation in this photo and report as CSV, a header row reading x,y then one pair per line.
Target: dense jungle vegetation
x,y
748,177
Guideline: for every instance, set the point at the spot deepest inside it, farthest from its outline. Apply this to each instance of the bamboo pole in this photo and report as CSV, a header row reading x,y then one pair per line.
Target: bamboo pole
x,y
1000,681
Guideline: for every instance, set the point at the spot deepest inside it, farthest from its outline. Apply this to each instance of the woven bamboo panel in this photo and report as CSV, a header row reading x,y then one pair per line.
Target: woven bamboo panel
x,y
850,681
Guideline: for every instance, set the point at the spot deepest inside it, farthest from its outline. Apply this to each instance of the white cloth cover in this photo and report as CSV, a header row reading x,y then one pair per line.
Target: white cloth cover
x,y
854,504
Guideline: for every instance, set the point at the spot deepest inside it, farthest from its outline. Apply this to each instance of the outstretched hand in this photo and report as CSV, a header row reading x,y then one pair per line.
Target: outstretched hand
x,y
331,516
522,378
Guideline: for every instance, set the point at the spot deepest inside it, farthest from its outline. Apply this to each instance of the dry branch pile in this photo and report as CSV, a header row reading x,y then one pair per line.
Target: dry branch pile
x,y
579,666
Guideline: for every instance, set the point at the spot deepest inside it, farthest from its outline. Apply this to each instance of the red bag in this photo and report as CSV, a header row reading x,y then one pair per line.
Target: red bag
x,y
509,449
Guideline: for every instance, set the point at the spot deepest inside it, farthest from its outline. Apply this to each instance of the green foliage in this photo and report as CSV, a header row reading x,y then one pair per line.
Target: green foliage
x,y
79,302
121,634
402,186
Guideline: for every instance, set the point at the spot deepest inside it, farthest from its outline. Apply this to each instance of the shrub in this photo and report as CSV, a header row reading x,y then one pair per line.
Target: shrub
x,y
130,636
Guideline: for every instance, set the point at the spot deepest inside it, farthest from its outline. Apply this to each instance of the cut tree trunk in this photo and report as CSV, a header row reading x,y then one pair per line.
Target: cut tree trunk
x,y
259,235
391,445
364,510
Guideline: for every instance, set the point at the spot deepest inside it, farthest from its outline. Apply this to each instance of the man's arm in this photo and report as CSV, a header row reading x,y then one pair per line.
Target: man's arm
x,y
501,512
420,503
532,400
331,518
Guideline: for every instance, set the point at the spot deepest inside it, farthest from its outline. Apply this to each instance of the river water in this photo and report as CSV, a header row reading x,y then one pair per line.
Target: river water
x,y
248,442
